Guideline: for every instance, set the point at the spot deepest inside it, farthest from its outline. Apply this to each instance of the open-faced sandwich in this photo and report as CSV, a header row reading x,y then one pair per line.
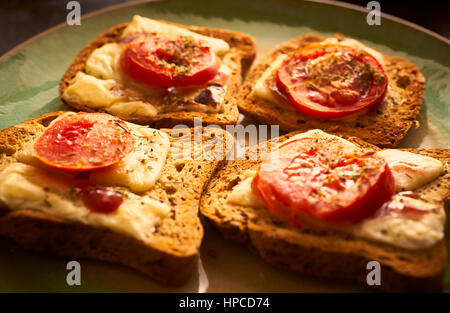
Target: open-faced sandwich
x,y
323,205
91,185
161,74
335,84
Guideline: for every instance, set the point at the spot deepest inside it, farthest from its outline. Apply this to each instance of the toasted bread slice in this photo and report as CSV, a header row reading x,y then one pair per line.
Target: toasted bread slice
x,y
322,253
384,127
239,58
168,257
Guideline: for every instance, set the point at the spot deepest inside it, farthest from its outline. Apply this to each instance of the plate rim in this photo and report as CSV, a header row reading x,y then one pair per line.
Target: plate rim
x,y
349,6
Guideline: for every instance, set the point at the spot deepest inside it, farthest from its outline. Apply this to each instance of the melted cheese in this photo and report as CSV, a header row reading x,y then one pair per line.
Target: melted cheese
x,y
401,230
27,187
261,89
132,108
243,194
140,169
411,170
395,229
92,90
317,133
349,42
104,62
141,24
99,93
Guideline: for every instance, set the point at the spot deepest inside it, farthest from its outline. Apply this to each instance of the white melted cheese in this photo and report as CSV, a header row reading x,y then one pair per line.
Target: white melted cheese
x,y
25,187
141,24
349,42
395,229
261,89
92,90
132,108
400,229
98,93
104,62
411,170
140,169
243,194
317,133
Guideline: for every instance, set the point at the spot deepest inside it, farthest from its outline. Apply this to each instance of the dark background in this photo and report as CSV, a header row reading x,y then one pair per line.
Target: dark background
x,y
22,19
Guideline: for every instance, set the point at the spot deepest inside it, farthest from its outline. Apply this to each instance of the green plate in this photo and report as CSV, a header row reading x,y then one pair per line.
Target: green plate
x,y
29,77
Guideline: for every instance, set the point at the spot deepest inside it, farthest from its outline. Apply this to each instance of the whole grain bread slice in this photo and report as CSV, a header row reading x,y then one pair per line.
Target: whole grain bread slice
x,y
168,257
322,253
240,58
383,127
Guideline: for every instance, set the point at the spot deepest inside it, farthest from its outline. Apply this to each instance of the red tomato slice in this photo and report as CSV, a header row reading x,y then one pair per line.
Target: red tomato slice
x,y
84,141
323,179
331,81
159,61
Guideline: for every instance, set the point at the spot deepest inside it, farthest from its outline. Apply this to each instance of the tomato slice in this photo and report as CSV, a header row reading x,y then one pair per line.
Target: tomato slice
x,y
164,62
325,180
331,81
84,141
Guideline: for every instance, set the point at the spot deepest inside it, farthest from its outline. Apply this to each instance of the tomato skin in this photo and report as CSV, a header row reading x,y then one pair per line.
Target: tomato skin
x,y
337,89
301,186
375,197
84,141
154,61
101,199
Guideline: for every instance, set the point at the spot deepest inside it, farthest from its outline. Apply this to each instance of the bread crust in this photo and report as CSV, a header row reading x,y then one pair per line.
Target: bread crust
x,y
242,53
326,253
384,126
168,257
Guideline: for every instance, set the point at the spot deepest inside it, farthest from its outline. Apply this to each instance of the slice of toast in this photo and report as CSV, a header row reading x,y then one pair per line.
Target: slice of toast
x,y
240,57
384,127
168,257
322,253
